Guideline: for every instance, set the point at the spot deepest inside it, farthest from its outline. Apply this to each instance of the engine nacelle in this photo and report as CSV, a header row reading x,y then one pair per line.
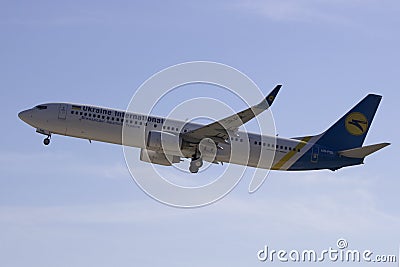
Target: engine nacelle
x,y
164,142
158,158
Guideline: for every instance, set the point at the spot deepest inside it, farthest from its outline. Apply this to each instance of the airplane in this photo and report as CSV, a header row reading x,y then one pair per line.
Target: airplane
x,y
337,147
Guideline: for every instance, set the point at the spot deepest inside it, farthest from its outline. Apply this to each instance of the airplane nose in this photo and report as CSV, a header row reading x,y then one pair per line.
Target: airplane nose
x,y
23,115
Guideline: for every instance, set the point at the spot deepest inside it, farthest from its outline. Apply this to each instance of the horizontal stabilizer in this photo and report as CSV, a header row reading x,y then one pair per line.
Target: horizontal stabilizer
x,y
362,152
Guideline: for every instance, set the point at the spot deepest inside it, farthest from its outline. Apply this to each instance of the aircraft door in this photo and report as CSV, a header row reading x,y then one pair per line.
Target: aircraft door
x,y
62,112
314,154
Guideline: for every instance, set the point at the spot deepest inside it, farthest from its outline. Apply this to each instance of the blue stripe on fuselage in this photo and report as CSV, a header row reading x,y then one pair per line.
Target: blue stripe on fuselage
x,y
325,159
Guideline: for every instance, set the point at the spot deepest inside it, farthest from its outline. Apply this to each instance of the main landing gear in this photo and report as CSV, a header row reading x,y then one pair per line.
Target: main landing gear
x,y
46,141
195,164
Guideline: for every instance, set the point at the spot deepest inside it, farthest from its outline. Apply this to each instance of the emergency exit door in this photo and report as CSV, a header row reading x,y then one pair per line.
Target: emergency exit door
x,y
62,112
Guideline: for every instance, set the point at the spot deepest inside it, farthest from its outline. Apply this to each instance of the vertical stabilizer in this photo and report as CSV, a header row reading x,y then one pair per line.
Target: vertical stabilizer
x,y
350,130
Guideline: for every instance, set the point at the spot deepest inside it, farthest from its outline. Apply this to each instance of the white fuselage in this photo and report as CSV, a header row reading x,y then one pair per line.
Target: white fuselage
x,y
106,125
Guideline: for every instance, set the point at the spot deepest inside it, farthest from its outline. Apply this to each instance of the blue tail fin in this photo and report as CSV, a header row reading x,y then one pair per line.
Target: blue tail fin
x,y
350,131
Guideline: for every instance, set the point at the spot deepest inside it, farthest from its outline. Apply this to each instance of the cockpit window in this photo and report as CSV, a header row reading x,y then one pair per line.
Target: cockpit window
x,y
41,107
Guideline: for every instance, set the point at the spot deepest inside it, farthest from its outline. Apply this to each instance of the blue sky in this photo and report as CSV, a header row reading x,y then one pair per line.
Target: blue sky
x,y
74,203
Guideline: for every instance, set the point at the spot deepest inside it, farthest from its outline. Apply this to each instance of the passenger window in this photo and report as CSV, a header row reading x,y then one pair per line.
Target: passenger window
x,y
241,140
85,114
112,118
155,125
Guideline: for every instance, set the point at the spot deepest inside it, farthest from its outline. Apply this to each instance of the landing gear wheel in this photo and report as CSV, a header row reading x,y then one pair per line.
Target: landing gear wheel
x,y
195,165
193,169
46,141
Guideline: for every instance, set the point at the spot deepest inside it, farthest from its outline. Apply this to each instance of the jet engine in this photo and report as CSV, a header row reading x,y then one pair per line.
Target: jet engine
x,y
158,158
164,142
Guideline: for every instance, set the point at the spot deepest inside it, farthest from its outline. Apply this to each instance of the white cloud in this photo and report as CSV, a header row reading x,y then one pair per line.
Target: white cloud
x,y
305,10
129,212
334,204
346,208
28,163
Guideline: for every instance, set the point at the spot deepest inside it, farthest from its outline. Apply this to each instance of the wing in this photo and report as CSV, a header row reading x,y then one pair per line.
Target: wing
x,y
218,131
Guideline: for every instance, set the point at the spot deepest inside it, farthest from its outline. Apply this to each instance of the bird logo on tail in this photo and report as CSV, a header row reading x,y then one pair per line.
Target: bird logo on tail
x,y
356,123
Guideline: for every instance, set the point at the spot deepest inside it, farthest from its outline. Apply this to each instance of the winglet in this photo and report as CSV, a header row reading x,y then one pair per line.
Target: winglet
x,y
267,102
271,97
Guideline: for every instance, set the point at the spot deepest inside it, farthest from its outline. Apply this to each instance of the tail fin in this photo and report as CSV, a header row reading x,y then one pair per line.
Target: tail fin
x,y
350,131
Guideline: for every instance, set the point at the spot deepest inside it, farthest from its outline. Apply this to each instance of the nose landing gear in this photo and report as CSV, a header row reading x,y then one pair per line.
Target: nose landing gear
x,y
46,141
